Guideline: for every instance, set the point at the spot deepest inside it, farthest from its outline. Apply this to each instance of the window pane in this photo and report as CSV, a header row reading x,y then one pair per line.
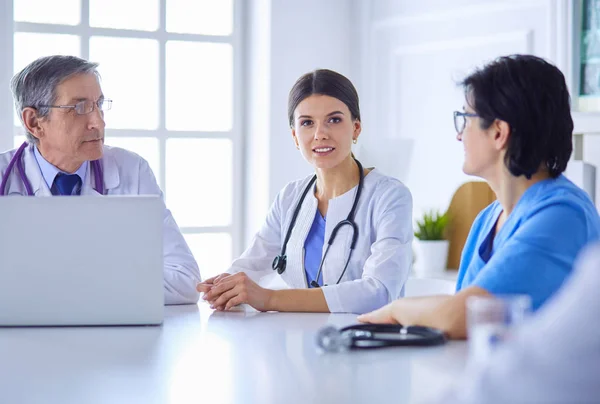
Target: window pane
x,y
206,17
147,147
212,252
199,86
48,12
118,14
30,46
129,71
199,181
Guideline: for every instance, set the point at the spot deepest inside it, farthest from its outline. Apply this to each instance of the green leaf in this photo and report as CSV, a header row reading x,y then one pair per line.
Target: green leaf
x,y
432,226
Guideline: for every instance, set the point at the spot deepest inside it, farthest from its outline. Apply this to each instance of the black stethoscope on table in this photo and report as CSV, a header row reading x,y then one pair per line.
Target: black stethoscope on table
x,y
371,336
280,261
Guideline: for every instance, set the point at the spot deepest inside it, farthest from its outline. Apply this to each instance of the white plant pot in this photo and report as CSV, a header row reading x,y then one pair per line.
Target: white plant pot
x,y
430,257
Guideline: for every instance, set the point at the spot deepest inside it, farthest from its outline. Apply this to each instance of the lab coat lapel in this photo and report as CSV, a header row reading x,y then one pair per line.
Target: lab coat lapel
x,y
337,211
294,274
33,173
111,176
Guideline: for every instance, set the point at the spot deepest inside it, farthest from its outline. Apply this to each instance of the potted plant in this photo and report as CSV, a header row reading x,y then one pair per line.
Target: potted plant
x,y
431,246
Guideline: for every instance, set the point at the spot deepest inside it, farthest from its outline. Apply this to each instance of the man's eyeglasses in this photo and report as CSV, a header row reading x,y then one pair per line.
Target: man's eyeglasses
x,y
86,106
460,120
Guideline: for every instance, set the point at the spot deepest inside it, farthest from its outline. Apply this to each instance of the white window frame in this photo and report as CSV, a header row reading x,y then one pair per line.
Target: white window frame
x,y
6,72
85,32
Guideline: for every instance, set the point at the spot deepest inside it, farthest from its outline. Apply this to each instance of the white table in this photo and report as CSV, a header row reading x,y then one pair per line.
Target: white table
x,y
201,356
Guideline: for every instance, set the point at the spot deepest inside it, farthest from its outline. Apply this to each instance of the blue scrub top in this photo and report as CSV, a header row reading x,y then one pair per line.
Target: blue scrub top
x,y
313,249
535,249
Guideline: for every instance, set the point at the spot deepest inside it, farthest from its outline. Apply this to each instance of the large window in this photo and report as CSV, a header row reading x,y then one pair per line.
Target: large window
x,y
171,68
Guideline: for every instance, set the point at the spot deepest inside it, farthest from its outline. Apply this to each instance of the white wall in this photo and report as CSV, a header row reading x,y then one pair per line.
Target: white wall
x,y
6,66
305,35
285,40
414,53
591,155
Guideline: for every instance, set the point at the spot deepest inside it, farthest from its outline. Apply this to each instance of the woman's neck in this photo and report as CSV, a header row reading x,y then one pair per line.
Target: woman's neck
x,y
509,189
336,181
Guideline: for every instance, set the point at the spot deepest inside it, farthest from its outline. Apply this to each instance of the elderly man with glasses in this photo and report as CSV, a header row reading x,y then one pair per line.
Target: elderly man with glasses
x,y
61,106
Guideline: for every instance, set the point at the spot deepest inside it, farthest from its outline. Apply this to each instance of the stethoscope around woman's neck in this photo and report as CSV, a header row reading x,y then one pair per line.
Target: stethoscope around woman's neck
x,y
18,161
280,261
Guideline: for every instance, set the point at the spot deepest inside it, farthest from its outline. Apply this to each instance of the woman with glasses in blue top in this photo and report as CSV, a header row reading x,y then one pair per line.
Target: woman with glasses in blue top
x,y
516,129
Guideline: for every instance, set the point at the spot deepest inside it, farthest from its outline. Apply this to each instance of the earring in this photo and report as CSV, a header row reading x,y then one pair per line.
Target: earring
x,y
355,141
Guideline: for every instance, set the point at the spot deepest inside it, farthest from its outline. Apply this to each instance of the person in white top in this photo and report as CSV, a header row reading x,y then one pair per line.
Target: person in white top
x,y
554,357
61,106
340,239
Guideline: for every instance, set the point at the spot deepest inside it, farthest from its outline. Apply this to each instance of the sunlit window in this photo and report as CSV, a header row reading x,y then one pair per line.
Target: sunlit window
x,y
169,67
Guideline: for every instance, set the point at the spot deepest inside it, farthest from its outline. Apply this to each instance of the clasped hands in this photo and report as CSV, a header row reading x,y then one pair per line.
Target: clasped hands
x,y
225,291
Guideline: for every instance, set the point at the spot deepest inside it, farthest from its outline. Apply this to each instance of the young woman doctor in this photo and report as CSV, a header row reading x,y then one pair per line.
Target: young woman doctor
x,y
341,238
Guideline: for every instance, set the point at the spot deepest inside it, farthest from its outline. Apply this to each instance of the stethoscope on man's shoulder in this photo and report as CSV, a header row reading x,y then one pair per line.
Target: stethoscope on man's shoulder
x,y
18,161
280,261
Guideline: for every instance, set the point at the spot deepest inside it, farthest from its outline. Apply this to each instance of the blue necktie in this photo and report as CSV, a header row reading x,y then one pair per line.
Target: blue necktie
x,y
66,183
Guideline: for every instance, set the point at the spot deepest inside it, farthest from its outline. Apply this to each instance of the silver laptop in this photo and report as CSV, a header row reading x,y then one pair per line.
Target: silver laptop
x,y
83,260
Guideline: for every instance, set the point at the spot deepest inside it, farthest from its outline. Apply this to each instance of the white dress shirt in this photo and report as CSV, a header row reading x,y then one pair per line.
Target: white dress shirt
x,y
125,173
381,259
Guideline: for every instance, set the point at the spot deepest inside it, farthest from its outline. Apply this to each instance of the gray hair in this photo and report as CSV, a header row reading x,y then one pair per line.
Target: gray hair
x,y
36,84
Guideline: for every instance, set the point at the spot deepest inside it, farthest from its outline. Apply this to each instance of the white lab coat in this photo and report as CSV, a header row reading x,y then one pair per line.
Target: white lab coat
x,y
125,173
382,257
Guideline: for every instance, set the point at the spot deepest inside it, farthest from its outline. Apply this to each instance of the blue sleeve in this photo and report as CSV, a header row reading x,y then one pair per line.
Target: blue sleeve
x,y
538,256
